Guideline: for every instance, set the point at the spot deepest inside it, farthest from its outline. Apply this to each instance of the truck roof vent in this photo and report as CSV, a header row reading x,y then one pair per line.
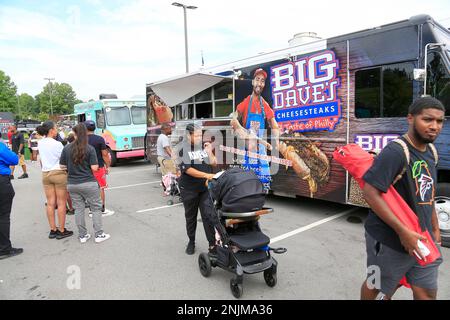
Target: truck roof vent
x,y
107,96
302,38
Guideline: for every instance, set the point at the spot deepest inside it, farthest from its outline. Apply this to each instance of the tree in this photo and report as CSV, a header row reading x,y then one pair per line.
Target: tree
x,y
28,106
8,91
63,99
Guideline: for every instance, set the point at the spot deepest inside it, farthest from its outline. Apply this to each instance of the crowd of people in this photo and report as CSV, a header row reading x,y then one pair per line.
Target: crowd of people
x,y
74,170
77,171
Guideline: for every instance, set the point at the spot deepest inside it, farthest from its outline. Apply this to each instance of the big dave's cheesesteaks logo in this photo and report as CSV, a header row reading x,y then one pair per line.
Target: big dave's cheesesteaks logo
x,y
304,93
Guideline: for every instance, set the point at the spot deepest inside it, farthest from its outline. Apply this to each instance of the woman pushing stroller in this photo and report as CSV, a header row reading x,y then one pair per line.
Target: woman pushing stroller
x,y
196,161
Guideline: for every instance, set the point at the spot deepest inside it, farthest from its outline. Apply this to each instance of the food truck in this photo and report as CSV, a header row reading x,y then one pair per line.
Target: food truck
x,y
324,93
120,122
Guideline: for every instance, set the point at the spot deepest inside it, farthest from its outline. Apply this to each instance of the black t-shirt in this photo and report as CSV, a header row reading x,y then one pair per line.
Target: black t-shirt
x,y
418,193
189,156
79,173
16,140
99,144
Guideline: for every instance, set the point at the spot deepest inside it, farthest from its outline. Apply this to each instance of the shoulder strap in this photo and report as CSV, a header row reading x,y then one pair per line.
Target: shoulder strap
x,y
407,155
435,154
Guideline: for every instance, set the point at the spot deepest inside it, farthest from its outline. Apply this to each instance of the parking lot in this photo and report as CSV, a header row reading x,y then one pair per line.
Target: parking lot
x,y
145,259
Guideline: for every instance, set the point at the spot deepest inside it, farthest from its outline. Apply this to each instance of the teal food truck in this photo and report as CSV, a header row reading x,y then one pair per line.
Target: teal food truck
x,y
122,123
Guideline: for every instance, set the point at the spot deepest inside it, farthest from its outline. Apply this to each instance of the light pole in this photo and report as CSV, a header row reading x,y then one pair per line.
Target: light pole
x,y
50,83
18,105
176,4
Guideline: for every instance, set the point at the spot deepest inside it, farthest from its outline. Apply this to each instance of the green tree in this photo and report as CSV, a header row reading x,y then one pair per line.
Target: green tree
x,y
8,91
28,106
63,98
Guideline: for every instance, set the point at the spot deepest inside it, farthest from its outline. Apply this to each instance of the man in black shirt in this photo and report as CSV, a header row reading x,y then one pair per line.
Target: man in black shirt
x,y
103,162
18,147
391,246
196,161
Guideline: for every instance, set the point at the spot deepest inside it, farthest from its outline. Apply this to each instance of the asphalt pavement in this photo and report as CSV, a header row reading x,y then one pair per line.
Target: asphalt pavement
x,y
145,259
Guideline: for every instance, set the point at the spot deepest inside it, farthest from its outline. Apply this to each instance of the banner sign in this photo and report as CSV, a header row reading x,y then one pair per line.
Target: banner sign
x,y
304,93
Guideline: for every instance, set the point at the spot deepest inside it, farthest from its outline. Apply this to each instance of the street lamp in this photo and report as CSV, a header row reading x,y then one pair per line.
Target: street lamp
x,y
176,4
50,83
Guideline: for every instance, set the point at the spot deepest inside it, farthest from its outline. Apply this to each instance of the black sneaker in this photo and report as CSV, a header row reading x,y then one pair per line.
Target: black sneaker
x,y
25,175
10,253
190,249
53,234
61,235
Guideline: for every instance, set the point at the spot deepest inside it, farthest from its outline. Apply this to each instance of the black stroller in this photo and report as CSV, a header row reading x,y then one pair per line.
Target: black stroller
x,y
238,199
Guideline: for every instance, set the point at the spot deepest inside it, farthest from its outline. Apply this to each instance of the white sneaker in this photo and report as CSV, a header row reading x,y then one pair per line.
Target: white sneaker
x,y
85,238
102,237
104,214
107,212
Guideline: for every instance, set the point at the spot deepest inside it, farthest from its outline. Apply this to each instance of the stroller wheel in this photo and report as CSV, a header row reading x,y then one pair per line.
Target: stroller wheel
x,y
270,277
236,288
169,202
204,264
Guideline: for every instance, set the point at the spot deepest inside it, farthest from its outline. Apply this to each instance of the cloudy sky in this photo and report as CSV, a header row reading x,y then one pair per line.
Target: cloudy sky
x,y
118,46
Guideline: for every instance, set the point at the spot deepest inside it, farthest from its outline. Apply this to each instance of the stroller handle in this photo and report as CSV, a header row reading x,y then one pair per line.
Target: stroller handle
x,y
245,214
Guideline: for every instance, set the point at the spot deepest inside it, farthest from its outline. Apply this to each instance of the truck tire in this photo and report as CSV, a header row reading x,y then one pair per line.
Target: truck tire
x,y
113,157
442,205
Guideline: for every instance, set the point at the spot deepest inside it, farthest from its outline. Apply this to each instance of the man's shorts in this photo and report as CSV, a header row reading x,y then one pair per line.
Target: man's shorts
x,y
55,178
386,267
167,165
100,176
21,160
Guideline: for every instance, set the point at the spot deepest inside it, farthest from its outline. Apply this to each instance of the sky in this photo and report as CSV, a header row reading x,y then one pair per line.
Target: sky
x,y
118,46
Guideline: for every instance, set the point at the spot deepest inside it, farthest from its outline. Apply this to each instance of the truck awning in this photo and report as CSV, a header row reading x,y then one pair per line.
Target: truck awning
x,y
176,90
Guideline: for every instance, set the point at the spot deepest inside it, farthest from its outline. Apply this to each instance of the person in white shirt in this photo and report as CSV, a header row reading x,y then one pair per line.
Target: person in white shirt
x,y
54,179
164,150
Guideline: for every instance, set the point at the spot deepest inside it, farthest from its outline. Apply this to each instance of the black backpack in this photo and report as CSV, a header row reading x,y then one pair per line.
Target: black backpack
x,y
237,190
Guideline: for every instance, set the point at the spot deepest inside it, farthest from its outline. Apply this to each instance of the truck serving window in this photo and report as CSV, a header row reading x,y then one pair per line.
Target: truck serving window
x,y
138,114
223,96
184,111
385,91
213,102
204,110
118,116
100,119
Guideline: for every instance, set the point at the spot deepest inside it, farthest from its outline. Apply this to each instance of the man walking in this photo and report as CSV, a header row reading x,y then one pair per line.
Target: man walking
x,y
164,150
18,147
390,245
103,162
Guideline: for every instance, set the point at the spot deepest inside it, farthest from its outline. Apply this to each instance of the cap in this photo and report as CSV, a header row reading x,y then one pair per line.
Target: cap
x,y
90,125
258,71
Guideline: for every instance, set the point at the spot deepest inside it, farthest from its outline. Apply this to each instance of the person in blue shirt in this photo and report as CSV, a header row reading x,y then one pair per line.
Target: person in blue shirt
x,y
7,159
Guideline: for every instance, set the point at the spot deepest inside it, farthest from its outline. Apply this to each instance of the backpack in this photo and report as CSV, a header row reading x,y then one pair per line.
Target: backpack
x,y
408,157
238,190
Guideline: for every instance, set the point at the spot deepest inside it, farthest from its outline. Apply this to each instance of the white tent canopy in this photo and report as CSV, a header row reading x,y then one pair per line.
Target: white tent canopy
x,y
176,90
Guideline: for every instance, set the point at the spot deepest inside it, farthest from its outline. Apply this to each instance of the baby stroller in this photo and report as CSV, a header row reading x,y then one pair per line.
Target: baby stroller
x,y
171,187
242,248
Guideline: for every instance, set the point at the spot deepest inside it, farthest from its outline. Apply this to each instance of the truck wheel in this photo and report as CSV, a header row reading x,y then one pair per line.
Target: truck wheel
x,y
442,204
113,158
